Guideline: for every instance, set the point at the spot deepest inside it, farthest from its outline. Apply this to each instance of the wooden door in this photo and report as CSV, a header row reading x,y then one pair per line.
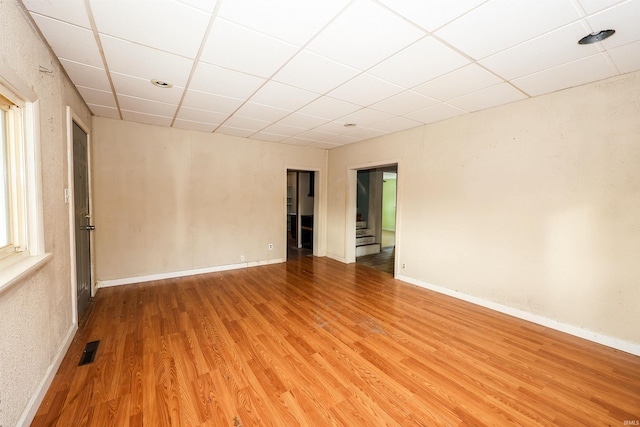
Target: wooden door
x,y
83,225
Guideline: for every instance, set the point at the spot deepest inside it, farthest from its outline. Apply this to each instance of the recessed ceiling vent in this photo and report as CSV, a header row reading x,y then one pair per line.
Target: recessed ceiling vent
x,y
161,84
596,37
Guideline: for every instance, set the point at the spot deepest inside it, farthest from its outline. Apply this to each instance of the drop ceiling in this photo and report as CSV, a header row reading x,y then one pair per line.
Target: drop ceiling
x,y
297,71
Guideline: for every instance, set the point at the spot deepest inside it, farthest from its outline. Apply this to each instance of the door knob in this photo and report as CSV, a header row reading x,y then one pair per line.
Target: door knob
x,y
90,227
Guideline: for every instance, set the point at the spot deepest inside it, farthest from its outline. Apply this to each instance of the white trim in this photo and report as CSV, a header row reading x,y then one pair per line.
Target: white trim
x,y
175,274
22,266
34,403
337,258
35,212
619,344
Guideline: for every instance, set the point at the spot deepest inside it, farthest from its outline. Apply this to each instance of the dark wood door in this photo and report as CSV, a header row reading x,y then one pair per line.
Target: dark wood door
x,y
83,225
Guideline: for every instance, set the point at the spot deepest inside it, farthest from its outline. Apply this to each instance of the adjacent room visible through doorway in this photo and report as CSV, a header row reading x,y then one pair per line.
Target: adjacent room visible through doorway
x,y
300,209
376,218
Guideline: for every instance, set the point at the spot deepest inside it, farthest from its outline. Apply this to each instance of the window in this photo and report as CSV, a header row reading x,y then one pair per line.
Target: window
x,y
12,233
21,234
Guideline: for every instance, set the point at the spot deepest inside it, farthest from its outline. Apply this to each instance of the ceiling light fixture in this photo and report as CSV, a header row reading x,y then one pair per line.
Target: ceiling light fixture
x,y
161,84
596,37
349,125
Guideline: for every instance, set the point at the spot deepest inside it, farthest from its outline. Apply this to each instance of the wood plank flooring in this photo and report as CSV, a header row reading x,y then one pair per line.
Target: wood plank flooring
x,y
314,342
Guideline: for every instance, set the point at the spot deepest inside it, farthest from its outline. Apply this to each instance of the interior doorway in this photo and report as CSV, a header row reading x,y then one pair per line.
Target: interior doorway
x,y
300,213
82,218
376,217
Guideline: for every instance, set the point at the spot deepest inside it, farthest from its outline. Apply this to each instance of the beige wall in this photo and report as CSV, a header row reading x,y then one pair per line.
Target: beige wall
x,y
169,200
36,315
533,205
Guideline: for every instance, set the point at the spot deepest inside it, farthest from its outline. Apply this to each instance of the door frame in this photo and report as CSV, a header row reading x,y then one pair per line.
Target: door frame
x,y
69,199
352,207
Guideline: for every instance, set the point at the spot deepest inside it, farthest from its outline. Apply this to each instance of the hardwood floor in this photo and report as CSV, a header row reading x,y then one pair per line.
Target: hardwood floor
x,y
383,261
315,342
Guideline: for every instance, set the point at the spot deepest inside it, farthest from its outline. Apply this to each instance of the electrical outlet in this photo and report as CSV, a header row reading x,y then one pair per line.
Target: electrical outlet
x,y
270,246
242,258
404,265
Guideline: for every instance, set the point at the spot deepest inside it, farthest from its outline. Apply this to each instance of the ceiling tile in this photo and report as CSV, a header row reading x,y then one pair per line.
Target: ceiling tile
x,y
422,61
206,5
339,140
335,127
365,90
547,51
271,137
228,130
261,55
222,81
162,24
365,34
365,117
500,24
150,119
298,141
592,6
141,105
210,102
329,108
86,75
97,97
283,129
201,116
404,102
142,88
102,111
246,123
197,126
431,14
302,121
262,112
575,73
313,72
627,57
149,64
365,133
70,41
624,18
325,145
436,113
395,124
315,135
464,80
290,20
71,11
502,93
283,96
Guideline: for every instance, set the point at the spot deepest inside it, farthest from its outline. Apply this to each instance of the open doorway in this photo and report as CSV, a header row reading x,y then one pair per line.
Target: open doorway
x,y
300,213
376,217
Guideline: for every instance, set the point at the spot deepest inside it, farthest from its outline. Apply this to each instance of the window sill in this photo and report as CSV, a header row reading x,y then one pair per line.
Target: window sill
x,y
17,268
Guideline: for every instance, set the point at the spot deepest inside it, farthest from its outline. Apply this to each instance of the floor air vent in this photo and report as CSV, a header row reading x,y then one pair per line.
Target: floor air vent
x,y
89,353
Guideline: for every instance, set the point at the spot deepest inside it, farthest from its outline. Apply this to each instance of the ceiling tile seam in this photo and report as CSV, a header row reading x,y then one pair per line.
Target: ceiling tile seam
x,y
581,19
424,29
96,35
27,14
579,8
270,78
476,62
196,60
603,54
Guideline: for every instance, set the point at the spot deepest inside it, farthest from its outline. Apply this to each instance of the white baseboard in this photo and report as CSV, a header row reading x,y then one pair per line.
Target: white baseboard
x,y
36,400
618,344
337,258
175,274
